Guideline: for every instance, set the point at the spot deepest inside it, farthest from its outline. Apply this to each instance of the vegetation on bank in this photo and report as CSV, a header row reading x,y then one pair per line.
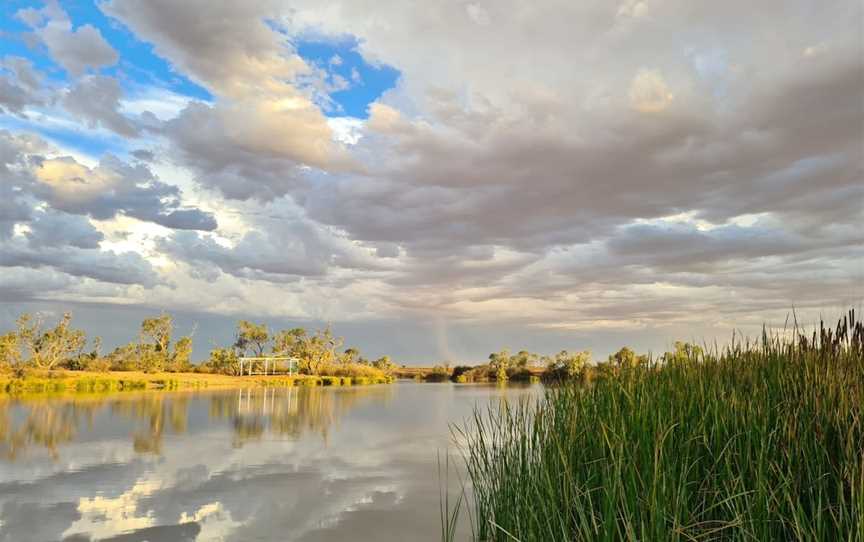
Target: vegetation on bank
x,y
62,381
527,366
759,441
36,356
318,353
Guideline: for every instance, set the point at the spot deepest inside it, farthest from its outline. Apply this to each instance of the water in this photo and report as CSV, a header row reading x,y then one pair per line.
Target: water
x,y
305,464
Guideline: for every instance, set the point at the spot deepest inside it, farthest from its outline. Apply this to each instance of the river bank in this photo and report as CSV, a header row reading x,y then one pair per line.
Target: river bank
x,y
62,381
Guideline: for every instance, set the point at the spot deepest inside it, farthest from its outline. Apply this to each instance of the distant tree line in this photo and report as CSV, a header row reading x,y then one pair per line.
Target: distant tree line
x,y
317,353
565,365
34,344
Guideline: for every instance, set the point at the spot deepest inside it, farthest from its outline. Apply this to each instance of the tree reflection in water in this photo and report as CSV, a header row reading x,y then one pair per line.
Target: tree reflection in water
x,y
157,410
291,412
48,423
44,423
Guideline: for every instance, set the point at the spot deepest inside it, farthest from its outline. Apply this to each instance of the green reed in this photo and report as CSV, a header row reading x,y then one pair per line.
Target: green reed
x,y
758,441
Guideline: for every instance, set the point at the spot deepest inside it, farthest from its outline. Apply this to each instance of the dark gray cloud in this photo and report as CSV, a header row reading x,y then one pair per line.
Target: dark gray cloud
x,y
70,244
114,187
680,246
255,256
535,190
25,73
96,100
203,143
20,86
57,229
281,248
12,210
22,284
14,98
128,268
44,226
144,155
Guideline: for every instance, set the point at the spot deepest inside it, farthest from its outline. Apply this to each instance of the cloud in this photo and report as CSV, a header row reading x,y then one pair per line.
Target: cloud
x,y
76,49
227,47
12,210
482,187
45,209
54,229
255,256
13,98
262,127
632,162
144,155
67,244
63,242
282,247
20,86
681,247
128,268
96,100
649,92
114,187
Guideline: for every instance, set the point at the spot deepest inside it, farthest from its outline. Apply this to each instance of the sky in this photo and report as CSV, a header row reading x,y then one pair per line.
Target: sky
x,y
436,183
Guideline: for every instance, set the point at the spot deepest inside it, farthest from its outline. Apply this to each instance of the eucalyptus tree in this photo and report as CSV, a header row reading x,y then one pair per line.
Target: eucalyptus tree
x,y
499,363
46,348
252,336
384,363
351,355
157,332
154,351
569,364
223,360
319,350
289,342
10,351
180,359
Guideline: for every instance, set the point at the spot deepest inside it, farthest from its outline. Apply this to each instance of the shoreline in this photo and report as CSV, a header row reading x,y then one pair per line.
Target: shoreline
x,y
63,381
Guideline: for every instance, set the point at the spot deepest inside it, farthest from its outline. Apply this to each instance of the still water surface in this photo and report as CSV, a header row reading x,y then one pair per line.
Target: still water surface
x,y
305,464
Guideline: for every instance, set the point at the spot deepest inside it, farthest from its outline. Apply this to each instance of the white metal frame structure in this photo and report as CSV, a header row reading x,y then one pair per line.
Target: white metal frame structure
x,y
267,364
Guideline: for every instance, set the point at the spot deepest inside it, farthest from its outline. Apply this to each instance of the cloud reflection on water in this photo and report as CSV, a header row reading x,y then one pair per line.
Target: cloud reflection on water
x,y
288,464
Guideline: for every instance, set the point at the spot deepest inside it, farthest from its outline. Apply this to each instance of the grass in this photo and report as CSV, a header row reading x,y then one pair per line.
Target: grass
x,y
87,382
756,442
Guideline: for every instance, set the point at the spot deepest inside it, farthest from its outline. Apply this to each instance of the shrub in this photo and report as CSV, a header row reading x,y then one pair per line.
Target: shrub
x,y
459,372
439,373
352,370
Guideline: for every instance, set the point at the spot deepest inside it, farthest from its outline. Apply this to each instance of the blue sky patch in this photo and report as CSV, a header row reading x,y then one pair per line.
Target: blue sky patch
x,y
138,65
366,82
87,142
12,40
354,83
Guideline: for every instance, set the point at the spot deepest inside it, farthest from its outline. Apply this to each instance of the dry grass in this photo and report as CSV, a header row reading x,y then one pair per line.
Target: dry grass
x,y
85,381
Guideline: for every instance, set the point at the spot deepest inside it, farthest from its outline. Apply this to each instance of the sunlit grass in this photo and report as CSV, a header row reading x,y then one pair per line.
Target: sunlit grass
x,y
61,382
758,442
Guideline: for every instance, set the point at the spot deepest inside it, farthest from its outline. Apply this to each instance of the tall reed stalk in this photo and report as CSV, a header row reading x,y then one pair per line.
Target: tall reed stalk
x,y
760,441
